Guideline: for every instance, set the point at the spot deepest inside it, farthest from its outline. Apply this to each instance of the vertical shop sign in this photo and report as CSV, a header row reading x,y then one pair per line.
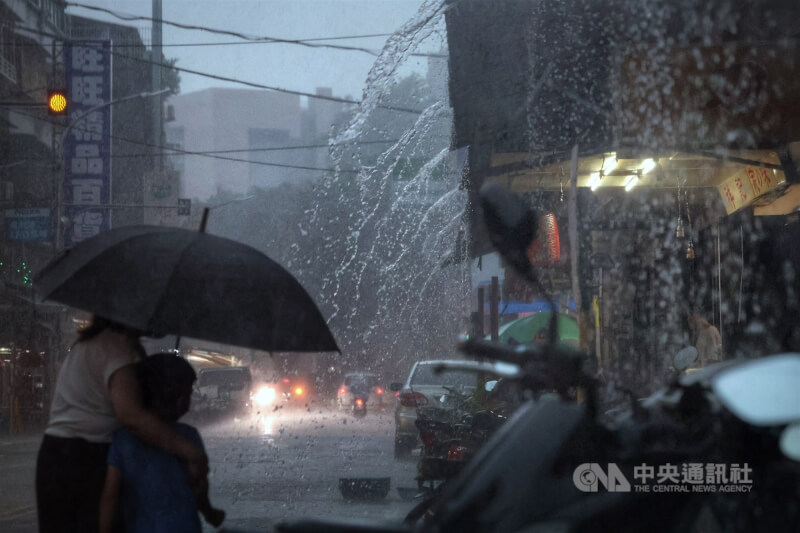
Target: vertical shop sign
x,y
742,188
87,148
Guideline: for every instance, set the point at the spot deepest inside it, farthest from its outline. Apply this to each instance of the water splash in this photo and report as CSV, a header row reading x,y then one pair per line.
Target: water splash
x,y
397,219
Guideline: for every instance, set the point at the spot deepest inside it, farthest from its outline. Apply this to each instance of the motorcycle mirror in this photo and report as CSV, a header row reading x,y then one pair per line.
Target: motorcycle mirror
x,y
684,358
510,222
396,387
762,392
490,385
790,442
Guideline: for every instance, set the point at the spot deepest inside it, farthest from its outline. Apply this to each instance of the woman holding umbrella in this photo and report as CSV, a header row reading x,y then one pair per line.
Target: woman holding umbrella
x,y
201,286
96,392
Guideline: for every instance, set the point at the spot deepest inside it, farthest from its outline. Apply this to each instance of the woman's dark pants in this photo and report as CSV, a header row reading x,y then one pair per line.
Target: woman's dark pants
x,y
69,480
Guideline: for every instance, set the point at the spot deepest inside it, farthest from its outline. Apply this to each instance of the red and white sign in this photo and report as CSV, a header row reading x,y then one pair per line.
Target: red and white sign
x,y
745,186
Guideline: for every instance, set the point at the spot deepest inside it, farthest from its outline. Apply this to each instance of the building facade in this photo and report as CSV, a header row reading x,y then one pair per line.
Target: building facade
x,y
253,141
34,217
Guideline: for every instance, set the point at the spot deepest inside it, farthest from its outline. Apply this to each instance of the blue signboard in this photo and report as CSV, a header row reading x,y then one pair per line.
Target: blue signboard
x,y
32,225
87,148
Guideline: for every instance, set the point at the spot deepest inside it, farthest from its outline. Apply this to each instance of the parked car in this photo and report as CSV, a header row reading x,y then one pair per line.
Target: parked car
x,y
427,382
365,382
224,389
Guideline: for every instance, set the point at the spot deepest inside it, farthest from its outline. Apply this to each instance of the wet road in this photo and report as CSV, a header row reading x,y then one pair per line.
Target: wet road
x,y
263,470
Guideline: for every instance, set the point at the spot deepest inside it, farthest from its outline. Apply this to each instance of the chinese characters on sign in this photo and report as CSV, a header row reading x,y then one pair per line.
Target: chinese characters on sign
x,y
686,477
746,185
87,180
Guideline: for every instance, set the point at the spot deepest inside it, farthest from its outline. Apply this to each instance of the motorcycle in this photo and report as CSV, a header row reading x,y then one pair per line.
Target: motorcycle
x,y
359,405
360,397
450,437
715,450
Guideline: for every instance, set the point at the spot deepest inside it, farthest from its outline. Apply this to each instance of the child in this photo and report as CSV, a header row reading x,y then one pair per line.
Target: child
x,y
151,485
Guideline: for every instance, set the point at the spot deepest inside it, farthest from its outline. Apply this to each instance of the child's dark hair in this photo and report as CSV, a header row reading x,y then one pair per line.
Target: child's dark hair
x,y
164,379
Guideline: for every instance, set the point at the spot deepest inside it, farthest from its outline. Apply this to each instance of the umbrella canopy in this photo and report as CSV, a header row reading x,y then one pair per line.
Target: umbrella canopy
x,y
523,330
176,281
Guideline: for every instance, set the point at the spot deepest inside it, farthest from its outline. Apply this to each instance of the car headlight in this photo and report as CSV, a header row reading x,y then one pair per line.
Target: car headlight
x,y
264,396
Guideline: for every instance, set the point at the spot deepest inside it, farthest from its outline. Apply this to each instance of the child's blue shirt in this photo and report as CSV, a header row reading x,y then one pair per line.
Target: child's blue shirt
x,y
155,493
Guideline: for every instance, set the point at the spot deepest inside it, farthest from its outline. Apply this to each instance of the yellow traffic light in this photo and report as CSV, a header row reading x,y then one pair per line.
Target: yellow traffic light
x,y
57,102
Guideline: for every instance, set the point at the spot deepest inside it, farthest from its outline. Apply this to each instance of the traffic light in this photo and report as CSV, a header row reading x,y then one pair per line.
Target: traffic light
x,y
57,102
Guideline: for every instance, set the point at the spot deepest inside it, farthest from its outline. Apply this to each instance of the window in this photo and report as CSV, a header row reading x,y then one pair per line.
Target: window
x,y
428,375
8,62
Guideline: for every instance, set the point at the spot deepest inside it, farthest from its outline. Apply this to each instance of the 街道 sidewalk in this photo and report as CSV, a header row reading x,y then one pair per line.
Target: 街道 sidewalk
x,y
17,476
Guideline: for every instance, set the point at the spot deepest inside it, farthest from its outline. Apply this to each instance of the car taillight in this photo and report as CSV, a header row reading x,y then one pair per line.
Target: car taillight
x,y
412,399
298,391
378,390
359,402
456,452
343,390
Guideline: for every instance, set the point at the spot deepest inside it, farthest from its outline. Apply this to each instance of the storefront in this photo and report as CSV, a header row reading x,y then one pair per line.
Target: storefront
x,y
31,349
666,152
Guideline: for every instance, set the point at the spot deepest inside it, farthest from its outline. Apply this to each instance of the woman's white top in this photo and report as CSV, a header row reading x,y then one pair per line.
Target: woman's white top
x,y
81,404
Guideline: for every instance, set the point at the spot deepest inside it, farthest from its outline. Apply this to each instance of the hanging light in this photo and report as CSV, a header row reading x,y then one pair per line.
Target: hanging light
x,y
648,165
690,250
679,232
594,180
609,164
631,181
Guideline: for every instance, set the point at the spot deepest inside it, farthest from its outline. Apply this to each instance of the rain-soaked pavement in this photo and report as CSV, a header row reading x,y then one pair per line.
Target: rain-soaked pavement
x,y
276,466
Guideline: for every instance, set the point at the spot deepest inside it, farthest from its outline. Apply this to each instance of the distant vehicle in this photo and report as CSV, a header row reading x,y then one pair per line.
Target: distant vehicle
x,y
287,390
364,385
425,385
225,389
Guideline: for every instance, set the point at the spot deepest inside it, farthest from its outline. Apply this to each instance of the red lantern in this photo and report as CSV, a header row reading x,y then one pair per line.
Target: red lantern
x,y
545,250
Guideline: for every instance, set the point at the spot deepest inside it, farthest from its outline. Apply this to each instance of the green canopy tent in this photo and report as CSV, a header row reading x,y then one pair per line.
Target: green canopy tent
x,y
524,330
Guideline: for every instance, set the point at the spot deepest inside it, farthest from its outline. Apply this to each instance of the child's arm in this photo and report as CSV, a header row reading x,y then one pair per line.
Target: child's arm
x,y
213,516
108,499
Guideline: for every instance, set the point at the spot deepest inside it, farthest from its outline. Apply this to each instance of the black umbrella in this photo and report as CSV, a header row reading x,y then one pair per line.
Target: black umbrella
x,y
176,281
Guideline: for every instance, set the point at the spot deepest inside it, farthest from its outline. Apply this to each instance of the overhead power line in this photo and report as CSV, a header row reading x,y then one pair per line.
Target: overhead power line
x,y
304,42
270,40
251,150
261,86
187,152
230,43
242,82
26,92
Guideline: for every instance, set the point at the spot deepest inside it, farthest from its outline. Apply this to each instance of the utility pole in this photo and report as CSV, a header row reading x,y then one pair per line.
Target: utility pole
x,y
494,310
156,55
